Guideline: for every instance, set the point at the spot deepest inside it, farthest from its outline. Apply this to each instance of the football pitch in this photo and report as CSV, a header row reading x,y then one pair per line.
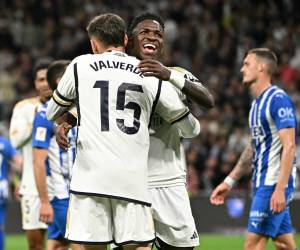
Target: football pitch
x,y
207,242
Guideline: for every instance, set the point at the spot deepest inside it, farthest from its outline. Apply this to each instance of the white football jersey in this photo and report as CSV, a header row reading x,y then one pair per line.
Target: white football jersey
x,y
114,104
20,133
167,165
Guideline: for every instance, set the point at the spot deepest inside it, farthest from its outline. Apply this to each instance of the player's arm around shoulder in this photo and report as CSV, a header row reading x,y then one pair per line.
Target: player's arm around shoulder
x,y
172,109
181,79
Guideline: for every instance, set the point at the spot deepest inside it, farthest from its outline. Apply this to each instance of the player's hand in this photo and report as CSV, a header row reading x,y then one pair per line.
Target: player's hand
x,y
277,202
150,67
46,212
219,194
61,132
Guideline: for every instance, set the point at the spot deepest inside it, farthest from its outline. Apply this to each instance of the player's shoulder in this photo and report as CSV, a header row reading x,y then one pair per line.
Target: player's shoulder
x,y
187,74
29,102
279,93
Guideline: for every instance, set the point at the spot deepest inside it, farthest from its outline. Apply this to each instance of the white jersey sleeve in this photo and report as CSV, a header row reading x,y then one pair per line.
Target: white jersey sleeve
x,y
169,105
65,93
21,121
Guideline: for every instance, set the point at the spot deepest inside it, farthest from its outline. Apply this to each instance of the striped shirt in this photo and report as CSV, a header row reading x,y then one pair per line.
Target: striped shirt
x,y
272,111
58,162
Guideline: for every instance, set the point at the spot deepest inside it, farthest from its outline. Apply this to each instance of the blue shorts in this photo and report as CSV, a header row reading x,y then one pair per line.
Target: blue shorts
x,y
2,215
56,230
263,221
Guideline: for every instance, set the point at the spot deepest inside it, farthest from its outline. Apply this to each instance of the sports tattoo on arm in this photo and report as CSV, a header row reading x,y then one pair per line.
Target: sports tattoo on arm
x,y
244,163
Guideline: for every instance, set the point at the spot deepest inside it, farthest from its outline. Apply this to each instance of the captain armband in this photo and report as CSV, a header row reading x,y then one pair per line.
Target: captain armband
x,y
61,100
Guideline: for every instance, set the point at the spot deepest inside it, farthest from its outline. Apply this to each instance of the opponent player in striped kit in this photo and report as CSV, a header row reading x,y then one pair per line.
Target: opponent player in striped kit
x,y
271,150
52,168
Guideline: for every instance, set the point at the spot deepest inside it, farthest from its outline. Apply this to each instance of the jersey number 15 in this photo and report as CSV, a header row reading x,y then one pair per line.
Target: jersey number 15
x,y
104,110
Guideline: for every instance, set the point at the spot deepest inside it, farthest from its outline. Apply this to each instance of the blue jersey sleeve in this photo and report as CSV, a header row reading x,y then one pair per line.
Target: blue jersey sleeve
x,y
283,111
11,151
42,131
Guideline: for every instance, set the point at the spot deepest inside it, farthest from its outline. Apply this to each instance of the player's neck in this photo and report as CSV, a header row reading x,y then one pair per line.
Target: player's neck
x,y
260,86
112,48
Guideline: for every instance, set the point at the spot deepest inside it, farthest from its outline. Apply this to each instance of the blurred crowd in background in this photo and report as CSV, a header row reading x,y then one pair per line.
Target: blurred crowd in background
x,y
207,37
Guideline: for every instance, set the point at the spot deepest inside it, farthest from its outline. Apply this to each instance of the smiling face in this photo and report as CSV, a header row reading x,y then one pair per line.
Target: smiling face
x,y
148,40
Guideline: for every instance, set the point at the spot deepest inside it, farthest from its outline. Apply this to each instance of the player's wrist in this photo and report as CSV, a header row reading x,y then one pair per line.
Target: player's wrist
x,y
177,79
230,181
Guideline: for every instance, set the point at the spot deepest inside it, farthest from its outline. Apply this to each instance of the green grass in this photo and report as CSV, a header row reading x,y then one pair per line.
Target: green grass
x,y
208,242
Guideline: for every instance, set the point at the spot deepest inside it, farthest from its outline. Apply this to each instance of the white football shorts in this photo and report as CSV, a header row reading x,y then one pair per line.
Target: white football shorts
x,y
30,207
99,220
173,220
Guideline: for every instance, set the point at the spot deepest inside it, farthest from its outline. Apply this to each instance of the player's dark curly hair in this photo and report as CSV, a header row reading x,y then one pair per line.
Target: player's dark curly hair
x,y
145,16
55,70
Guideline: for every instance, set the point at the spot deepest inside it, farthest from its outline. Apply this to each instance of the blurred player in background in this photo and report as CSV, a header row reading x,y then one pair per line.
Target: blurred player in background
x,y
271,152
20,136
122,148
52,168
8,156
173,219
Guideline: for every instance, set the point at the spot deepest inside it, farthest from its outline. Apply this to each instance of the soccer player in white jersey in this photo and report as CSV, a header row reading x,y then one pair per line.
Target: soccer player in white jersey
x,y
109,197
173,220
52,168
270,151
20,133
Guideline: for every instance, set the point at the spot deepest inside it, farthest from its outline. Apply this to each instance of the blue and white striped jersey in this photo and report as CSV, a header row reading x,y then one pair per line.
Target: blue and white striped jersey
x,y
7,152
59,162
272,111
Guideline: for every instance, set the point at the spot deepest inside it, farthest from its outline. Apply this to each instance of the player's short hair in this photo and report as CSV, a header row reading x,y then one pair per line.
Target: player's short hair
x,y
140,18
56,70
110,29
41,64
267,55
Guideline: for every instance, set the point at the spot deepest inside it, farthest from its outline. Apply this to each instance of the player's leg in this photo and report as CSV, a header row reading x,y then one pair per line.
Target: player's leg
x,y
284,239
57,244
35,230
255,242
173,220
57,229
285,242
132,225
2,225
137,247
35,239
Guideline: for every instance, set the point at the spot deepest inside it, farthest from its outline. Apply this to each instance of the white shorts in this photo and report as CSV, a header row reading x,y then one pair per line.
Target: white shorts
x,y
30,207
173,220
99,220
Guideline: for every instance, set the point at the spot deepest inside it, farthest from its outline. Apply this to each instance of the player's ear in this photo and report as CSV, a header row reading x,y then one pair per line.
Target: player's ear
x,y
94,46
125,40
